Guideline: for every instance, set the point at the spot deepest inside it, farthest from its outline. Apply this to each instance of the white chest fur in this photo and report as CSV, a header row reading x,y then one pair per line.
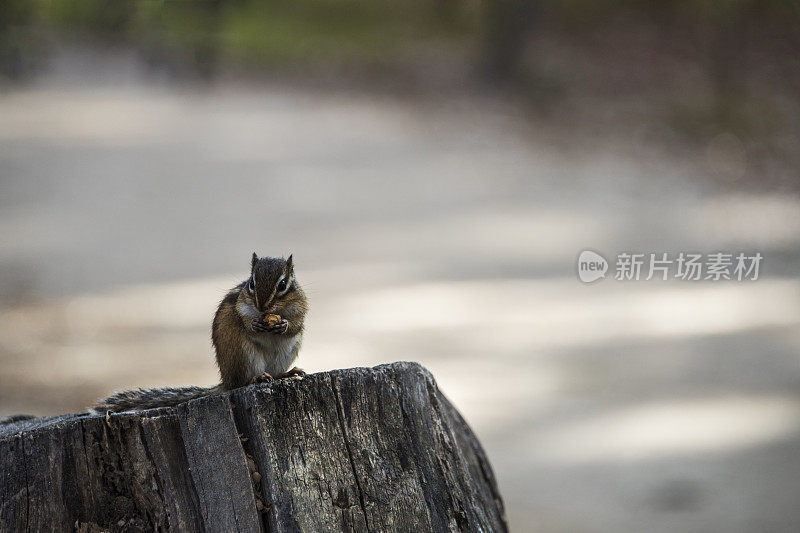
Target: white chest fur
x,y
271,353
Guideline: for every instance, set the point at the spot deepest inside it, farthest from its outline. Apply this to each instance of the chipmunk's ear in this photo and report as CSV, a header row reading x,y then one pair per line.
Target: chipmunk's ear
x,y
289,265
253,262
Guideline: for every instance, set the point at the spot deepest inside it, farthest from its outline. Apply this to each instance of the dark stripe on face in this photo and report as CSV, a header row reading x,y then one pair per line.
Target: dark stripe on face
x,y
255,292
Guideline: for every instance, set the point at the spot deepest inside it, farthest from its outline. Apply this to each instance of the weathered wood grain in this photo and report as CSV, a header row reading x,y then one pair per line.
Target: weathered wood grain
x,y
364,449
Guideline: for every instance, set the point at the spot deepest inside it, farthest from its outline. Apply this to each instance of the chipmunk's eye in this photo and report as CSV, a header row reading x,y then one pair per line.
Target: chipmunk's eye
x,y
282,285
251,286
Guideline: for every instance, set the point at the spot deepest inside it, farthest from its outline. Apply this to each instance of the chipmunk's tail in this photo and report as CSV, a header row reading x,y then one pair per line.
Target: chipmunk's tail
x,y
138,399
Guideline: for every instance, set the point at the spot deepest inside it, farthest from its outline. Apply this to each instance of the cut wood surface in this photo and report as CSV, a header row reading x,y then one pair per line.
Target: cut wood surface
x,y
363,449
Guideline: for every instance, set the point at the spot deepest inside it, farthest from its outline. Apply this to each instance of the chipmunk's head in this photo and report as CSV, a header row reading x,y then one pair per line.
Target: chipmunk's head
x,y
271,284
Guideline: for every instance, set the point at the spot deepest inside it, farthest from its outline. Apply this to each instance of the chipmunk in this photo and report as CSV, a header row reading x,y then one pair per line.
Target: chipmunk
x,y
248,350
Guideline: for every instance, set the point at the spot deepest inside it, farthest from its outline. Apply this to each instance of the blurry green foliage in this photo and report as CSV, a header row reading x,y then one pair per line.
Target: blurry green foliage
x,y
106,18
17,45
324,29
199,34
270,32
282,31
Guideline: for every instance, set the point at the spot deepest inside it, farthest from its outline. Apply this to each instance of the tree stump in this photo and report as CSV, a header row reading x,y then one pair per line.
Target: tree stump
x,y
364,449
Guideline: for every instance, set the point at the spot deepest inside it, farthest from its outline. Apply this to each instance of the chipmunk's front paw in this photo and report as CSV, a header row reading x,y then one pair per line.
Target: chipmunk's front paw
x,y
264,377
295,372
280,328
258,326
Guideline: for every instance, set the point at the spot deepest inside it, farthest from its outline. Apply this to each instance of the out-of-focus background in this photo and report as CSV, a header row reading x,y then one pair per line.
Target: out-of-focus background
x,y
436,167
